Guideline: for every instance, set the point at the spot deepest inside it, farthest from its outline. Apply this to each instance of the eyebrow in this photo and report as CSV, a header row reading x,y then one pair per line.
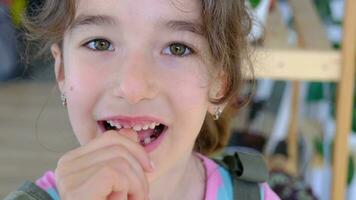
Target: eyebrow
x,y
189,26
99,20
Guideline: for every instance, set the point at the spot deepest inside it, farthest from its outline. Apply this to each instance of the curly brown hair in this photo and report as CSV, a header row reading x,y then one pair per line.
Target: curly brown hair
x,y
226,25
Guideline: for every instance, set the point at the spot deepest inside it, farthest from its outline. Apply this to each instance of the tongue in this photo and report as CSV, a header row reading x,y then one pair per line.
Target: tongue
x,y
144,133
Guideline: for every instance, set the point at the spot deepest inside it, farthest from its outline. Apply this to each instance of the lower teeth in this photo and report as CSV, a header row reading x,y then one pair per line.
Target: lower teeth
x,y
149,139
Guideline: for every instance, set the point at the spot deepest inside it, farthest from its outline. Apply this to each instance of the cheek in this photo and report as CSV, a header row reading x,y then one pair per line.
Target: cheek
x,y
85,74
190,104
83,84
189,92
190,85
84,81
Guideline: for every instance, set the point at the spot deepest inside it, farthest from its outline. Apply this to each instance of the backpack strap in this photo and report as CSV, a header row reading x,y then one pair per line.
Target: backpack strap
x,y
28,191
248,170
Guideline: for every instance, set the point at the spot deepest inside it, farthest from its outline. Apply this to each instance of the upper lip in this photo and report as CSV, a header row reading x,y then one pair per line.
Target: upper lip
x,y
132,121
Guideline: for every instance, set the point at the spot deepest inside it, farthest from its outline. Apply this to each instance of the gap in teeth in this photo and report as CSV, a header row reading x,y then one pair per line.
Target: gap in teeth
x,y
136,127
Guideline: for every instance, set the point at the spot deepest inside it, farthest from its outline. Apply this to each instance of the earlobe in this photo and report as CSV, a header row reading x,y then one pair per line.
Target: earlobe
x,y
58,65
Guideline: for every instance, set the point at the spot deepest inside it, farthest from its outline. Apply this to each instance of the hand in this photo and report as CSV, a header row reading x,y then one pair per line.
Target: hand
x,y
111,166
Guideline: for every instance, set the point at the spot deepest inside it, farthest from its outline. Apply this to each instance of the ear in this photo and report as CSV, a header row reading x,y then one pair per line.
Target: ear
x,y
217,89
58,66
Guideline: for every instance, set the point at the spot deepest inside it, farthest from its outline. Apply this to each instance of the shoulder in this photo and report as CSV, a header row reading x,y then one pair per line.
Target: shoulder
x,y
44,188
47,183
224,180
267,193
218,185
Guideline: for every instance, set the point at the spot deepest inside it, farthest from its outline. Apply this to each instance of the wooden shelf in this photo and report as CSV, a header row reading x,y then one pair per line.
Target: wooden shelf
x,y
298,64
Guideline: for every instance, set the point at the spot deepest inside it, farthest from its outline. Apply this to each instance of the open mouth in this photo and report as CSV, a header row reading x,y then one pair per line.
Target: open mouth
x,y
147,134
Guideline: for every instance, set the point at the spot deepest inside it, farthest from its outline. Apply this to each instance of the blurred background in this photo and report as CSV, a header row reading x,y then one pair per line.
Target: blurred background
x,y
301,52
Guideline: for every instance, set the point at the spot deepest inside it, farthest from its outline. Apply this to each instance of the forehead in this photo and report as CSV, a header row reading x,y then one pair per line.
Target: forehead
x,y
144,10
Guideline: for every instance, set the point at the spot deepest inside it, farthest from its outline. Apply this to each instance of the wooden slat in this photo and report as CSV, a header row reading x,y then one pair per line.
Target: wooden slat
x,y
276,35
344,102
310,30
292,162
289,64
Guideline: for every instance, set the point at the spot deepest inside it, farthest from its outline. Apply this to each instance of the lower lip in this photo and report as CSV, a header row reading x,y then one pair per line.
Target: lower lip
x,y
153,145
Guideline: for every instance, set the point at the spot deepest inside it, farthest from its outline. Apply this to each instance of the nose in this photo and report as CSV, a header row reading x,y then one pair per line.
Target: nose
x,y
136,79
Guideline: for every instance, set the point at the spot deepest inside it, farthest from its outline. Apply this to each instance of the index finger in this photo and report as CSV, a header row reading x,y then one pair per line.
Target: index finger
x,y
110,138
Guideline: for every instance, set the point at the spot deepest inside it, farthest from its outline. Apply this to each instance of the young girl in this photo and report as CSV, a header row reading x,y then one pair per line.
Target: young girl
x,y
142,81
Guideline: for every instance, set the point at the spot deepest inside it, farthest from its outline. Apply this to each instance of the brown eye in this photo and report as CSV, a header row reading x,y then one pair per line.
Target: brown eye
x,y
100,45
179,49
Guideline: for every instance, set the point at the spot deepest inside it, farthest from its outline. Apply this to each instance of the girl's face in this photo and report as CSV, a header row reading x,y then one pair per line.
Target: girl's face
x,y
135,63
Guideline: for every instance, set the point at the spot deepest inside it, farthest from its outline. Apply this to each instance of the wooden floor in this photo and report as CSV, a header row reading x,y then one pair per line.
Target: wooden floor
x,y
26,151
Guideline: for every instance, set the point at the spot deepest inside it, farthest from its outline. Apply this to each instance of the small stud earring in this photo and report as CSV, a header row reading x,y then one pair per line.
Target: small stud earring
x,y
64,99
218,112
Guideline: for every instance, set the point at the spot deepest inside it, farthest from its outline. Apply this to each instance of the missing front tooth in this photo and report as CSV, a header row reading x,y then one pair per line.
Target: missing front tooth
x,y
159,129
108,127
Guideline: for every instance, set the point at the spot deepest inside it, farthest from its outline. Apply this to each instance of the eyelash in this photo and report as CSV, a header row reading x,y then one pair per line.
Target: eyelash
x,y
90,45
191,51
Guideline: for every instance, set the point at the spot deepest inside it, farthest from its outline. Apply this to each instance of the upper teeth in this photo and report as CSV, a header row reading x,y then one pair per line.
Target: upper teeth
x,y
136,127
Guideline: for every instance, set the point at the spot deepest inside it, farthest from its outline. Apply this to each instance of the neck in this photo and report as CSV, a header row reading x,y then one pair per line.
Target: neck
x,y
185,181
